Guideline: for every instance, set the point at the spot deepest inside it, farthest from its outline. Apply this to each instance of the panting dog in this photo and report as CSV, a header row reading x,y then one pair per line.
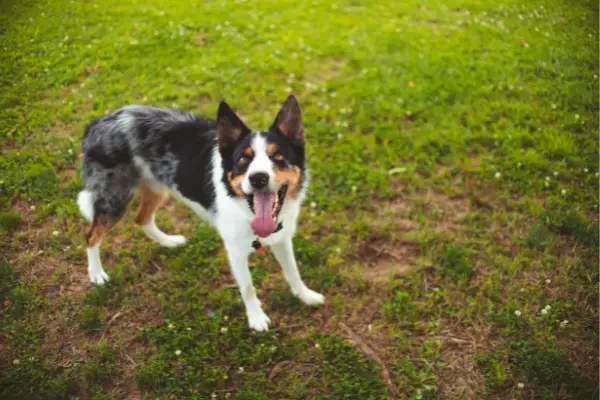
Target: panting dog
x,y
248,185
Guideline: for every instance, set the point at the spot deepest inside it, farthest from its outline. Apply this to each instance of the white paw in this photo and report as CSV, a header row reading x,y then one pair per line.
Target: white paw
x,y
99,277
311,297
172,241
259,321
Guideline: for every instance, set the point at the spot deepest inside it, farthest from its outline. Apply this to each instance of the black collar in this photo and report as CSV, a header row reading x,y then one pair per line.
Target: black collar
x,y
256,243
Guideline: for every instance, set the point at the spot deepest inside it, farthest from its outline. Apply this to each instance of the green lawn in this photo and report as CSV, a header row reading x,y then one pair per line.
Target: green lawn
x,y
451,220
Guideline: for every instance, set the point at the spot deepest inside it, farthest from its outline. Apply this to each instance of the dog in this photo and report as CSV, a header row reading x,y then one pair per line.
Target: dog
x,y
247,184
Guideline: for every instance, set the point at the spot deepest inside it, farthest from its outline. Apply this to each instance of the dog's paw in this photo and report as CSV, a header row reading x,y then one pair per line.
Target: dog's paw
x,y
311,297
98,277
259,321
172,241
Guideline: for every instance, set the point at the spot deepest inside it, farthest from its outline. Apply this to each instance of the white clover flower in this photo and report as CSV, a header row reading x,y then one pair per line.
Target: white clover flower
x,y
518,313
354,188
188,329
288,89
241,369
273,348
576,116
340,136
16,361
564,323
595,76
338,250
214,395
548,281
337,123
544,311
226,318
546,184
555,173
177,352
171,326
55,233
547,178
563,192
223,330
317,345
497,175
345,124
520,385
313,204
585,170
553,106
519,165
327,106
547,308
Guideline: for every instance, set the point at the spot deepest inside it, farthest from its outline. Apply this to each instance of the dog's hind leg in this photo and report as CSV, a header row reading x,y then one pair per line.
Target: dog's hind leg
x,y
150,200
105,204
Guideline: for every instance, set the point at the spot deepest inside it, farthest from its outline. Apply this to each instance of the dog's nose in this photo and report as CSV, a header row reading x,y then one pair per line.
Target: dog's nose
x,y
259,180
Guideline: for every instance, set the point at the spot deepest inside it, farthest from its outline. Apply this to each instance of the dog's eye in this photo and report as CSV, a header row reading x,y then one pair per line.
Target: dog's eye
x,y
279,157
243,160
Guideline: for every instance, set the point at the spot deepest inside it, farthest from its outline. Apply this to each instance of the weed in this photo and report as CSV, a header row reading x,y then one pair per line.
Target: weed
x,y
91,318
9,221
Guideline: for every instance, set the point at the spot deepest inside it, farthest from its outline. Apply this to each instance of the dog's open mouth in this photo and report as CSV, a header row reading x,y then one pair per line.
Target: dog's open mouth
x,y
266,207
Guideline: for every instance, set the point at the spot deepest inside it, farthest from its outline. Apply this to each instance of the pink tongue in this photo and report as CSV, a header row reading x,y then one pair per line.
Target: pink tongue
x,y
263,223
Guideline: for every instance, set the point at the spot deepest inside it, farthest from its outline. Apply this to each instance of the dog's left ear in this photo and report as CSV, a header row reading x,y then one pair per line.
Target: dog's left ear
x,y
289,120
230,128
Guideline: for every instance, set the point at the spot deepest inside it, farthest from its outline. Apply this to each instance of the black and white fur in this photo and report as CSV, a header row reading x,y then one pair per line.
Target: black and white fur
x,y
195,159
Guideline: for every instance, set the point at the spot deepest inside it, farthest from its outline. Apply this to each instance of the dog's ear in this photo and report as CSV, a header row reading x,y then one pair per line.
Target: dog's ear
x,y
230,128
289,120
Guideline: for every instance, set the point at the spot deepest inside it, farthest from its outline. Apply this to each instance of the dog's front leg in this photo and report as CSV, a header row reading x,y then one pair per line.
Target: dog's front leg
x,y
238,259
284,252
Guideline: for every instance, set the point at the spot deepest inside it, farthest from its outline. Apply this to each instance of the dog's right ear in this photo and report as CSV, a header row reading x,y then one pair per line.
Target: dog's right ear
x,y
230,128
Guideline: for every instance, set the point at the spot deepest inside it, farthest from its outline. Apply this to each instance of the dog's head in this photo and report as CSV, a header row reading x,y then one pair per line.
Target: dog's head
x,y
265,168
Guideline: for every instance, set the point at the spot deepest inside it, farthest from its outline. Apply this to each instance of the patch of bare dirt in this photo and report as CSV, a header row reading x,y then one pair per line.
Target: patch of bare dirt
x,y
386,254
460,344
382,260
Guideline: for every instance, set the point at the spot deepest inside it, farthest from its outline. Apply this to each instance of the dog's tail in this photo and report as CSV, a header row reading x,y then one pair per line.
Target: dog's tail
x,y
85,201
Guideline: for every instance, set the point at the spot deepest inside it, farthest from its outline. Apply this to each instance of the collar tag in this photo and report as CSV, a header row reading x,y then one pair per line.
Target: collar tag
x,y
256,243
258,247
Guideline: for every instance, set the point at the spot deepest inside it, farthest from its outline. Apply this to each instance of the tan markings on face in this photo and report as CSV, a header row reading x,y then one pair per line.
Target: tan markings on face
x,y
290,177
248,151
271,148
236,183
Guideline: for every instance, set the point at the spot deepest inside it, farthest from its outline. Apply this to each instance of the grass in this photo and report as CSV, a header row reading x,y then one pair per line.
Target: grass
x,y
451,220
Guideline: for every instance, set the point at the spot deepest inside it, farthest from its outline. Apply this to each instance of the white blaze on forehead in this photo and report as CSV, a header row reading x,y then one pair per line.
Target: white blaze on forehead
x,y
260,163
